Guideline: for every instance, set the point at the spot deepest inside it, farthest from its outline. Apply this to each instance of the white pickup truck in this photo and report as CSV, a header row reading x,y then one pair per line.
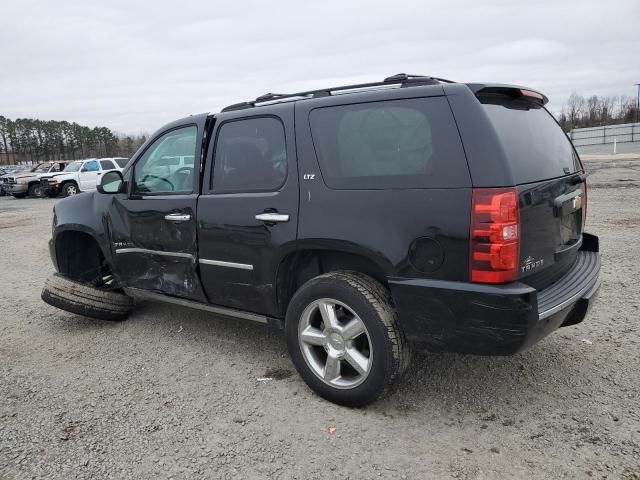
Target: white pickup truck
x,y
80,176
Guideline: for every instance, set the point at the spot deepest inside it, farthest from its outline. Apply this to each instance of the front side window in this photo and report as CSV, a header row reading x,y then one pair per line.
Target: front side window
x,y
159,169
91,166
73,167
389,144
250,156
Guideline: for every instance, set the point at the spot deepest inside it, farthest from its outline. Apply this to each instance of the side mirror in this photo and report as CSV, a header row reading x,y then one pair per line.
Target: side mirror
x,y
111,182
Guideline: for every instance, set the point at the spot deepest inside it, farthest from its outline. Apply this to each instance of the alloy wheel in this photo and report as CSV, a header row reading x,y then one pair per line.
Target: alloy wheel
x,y
335,343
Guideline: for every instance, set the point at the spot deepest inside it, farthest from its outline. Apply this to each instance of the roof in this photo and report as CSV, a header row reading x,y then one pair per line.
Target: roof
x,y
400,80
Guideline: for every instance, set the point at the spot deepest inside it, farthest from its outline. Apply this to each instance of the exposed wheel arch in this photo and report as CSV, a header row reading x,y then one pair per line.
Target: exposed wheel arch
x,y
298,267
79,257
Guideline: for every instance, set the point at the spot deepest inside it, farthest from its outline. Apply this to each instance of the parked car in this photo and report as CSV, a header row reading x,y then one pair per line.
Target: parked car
x,y
8,171
79,176
359,219
26,183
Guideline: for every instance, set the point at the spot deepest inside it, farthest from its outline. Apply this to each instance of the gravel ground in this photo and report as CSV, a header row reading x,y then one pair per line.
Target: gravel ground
x,y
175,393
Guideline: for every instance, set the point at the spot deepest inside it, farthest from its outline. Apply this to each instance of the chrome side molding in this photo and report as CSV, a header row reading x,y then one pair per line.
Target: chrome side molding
x,y
154,252
220,263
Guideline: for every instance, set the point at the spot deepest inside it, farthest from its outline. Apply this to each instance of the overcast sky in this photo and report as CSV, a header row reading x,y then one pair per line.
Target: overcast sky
x,y
133,65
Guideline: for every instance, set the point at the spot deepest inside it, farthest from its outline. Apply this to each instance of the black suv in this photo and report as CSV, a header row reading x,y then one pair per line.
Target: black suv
x,y
360,219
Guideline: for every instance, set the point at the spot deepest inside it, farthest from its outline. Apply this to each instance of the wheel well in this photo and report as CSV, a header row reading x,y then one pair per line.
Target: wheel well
x,y
79,257
301,266
69,181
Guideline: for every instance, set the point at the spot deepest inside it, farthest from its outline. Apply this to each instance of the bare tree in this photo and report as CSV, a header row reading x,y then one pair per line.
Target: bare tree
x,y
575,109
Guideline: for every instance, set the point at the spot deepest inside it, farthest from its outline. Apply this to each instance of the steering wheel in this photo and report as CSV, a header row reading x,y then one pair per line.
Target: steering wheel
x,y
149,175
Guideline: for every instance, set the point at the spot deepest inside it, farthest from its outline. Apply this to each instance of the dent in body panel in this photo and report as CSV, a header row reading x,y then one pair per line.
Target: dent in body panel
x,y
169,275
457,320
141,224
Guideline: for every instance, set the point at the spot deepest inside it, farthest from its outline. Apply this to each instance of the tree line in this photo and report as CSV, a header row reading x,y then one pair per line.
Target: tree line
x,y
595,111
33,140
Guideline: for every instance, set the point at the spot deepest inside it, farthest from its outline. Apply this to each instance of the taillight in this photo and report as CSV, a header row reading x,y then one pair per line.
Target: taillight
x,y
495,235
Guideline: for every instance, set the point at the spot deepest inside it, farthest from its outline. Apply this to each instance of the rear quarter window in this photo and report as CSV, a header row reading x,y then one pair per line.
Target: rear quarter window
x,y
535,145
389,144
107,165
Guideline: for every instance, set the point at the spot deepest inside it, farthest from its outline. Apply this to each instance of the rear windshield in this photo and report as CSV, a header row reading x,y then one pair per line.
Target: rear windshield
x,y
389,144
534,143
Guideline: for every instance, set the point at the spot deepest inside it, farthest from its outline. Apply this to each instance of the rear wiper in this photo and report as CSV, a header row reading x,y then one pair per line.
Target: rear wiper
x,y
577,178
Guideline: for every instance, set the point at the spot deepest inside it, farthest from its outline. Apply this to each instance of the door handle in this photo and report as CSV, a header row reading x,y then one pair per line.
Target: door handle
x,y
177,217
271,217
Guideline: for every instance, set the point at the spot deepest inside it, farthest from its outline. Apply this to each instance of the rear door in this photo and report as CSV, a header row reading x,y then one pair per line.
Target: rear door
x,y
153,224
551,185
248,210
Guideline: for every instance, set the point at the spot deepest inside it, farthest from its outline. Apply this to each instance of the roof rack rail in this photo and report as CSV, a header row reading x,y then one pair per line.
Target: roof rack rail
x,y
402,79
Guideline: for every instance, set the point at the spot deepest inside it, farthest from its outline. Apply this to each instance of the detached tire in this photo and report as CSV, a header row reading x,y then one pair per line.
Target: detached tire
x,y
344,338
86,300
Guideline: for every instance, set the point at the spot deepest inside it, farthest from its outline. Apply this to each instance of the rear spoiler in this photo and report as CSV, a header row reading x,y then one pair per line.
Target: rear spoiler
x,y
511,90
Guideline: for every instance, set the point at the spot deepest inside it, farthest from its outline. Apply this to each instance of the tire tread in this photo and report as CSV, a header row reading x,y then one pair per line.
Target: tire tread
x,y
86,300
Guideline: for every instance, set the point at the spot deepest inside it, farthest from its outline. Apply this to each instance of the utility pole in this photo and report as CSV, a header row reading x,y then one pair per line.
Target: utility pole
x,y
638,103
633,127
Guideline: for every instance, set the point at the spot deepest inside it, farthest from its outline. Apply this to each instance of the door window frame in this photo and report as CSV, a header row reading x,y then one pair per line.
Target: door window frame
x,y
131,166
207,182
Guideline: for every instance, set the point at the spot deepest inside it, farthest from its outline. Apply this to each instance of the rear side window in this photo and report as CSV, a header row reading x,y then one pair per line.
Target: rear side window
x,y
122,162
250,156
107,165
390,144
535,145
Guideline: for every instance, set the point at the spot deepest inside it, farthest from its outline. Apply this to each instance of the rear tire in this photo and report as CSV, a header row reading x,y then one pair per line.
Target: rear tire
x,y
86,300
69,189
35,191
315,340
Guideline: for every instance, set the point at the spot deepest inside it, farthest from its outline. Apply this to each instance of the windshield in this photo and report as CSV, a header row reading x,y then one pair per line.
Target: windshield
x,y
42,168
73,167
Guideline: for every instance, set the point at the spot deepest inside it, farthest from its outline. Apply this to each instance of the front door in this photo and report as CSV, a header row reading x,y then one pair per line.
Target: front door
x,y
153,225
248,212
88,176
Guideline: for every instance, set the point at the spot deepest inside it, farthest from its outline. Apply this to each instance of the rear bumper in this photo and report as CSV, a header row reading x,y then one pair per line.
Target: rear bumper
x,y
494,319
